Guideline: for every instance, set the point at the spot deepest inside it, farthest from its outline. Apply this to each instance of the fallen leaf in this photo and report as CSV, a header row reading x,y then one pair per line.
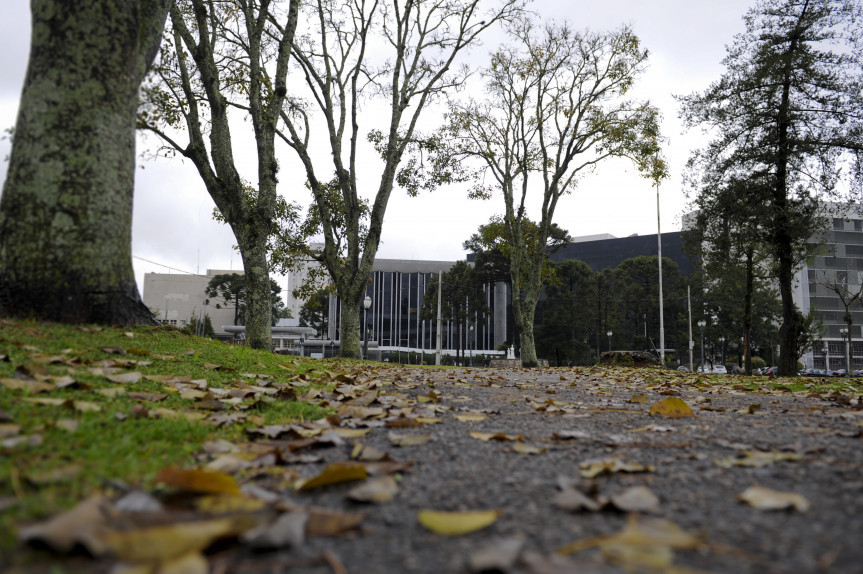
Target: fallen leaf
x,y
323,522
636,499
593,469
400,439
457,523
756,459
288,530
378,490
672,408
76,526
498,556
333,474
523,448
487,436
643,543
194,480
125,378
470,417
767,499
639,398
29,385
53,476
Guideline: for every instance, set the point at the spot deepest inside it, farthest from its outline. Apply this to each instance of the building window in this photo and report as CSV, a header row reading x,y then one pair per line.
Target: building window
x,y
838,224
858,224
169,321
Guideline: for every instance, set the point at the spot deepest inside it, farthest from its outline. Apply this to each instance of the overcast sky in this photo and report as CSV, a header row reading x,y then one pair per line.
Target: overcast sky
x,y
173,226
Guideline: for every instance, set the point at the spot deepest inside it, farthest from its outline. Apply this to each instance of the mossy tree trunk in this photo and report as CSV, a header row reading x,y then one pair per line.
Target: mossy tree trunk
x,y
66,209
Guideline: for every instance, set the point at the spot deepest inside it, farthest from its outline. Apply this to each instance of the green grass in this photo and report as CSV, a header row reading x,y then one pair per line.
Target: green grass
x,y
112,445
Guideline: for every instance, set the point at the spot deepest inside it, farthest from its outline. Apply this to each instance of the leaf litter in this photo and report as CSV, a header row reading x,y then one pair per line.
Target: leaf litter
x,y
223,509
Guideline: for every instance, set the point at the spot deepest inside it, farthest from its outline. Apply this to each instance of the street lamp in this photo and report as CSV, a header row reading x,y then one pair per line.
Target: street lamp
x,y
826,349
469,342
609,340
701,325
722,344
845,339
367,302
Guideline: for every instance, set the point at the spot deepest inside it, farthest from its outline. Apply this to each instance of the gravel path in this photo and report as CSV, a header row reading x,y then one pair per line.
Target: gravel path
x,y
696,466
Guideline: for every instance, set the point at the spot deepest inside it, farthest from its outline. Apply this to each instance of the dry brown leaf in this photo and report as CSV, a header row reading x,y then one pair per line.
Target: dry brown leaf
x,y
487,436
593,469
400,439
498,556
323,522
636,499
288,530
470,417
125,378
767,499
377,490
333,474
756,459
194,480
76,526
643,543
523,448
7,431
672,408
29,385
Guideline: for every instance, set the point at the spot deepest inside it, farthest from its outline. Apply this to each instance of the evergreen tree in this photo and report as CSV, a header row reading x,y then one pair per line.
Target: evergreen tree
x,y
787,112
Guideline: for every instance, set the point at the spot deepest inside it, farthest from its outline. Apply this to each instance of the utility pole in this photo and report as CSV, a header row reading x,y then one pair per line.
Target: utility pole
x,y
691,342
438,339
661,312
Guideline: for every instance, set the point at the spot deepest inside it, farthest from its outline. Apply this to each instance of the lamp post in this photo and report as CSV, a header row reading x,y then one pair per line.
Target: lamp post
x,y
701,325
332,348
469,343
844,333
609,340
367,302
826,349
740,354
722,344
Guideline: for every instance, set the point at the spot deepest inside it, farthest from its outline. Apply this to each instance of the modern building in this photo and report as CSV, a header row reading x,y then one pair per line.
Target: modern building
x,y
606,251
394,323
175,298
835,273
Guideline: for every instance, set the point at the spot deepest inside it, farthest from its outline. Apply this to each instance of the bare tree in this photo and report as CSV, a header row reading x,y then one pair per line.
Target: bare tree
x,y
405,52
555,107
224,59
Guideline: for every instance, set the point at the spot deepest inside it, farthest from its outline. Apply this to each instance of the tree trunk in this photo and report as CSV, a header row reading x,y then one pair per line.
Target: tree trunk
x,y
259,309
747,309
350,341
66,209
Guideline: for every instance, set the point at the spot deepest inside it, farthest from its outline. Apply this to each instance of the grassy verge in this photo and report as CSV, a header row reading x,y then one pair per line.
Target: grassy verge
x,y
67,429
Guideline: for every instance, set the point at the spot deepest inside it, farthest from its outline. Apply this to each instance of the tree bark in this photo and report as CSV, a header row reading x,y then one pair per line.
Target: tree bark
x,y
66,210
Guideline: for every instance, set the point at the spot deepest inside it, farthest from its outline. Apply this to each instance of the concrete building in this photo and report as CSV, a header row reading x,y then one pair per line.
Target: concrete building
x,y
839,265
175,298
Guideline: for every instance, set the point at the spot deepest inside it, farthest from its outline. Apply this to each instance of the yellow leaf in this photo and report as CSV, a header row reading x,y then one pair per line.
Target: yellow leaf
x,y
228,504
471,417
523,448
487,436
672,408
334,474
767,499
194,480
171,541
457,523
399,439
639,398
756,459
351,433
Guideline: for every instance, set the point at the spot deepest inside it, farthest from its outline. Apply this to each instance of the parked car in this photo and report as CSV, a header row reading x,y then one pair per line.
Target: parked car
x,y
683,368
832,373
720,369
770,371
841,373
813,373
